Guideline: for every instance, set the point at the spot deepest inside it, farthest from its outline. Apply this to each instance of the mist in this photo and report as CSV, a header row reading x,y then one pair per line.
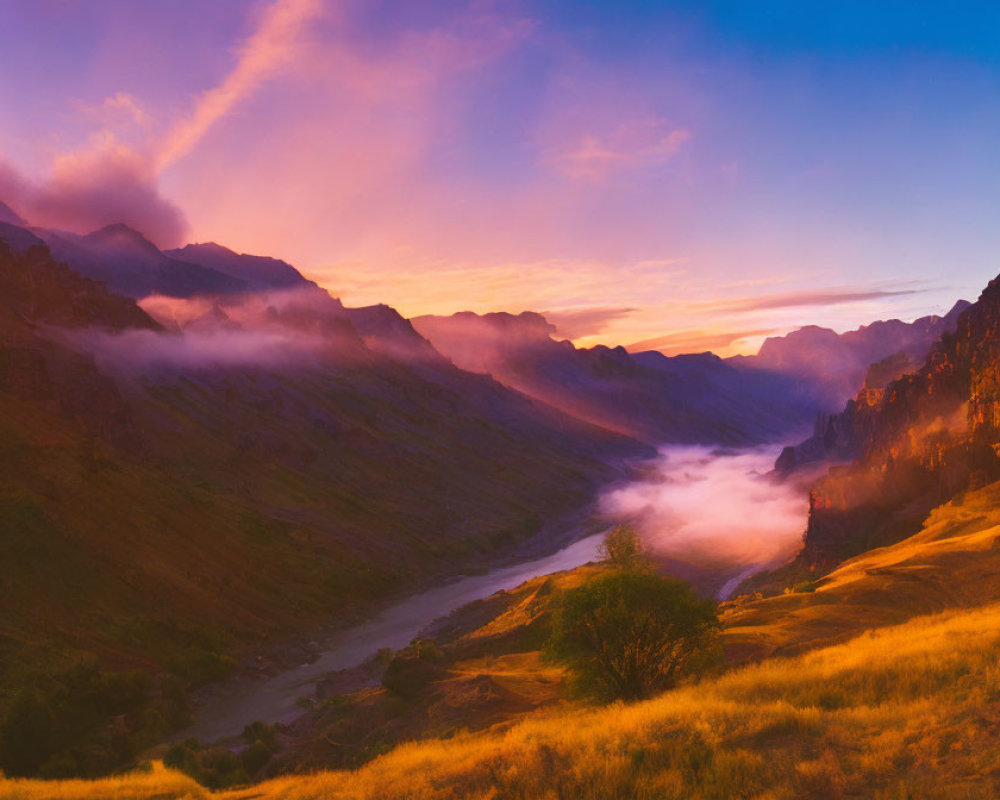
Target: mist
x,y
276,329
714,508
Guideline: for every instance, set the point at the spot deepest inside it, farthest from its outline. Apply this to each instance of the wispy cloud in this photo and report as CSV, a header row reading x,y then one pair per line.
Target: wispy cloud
x,y
578,322
824,297
696,341
593,157
261,55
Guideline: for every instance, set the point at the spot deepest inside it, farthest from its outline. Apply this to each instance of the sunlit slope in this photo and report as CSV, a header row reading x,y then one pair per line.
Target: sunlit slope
x,y
485,668
953,562
907,711
950,563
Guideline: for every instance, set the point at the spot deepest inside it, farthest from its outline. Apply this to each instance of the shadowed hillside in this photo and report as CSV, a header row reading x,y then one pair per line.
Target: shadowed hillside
x,y
159,494
686,400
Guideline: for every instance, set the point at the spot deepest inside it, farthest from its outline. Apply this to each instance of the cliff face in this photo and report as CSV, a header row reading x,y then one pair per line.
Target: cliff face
x,y
920,440
833,365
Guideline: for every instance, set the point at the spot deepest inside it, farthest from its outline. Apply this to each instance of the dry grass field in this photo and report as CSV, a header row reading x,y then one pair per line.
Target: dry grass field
x,y
904,704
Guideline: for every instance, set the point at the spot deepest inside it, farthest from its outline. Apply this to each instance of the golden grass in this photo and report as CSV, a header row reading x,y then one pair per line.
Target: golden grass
x,y
952,562
904,712
890,711
524,675
158,782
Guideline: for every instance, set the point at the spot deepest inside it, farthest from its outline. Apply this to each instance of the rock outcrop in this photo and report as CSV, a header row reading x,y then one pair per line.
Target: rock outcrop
x,y
919,440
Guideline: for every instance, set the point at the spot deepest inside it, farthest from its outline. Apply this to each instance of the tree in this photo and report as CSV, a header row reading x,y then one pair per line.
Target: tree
x,y
628,635
623,549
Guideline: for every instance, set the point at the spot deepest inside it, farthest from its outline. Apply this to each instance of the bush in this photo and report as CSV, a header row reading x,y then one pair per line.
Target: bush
x,y
623,549
84,721
414,668
628,635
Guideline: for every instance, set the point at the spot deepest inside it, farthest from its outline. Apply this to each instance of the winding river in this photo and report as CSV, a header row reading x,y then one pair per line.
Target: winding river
x,y
699,503
274,699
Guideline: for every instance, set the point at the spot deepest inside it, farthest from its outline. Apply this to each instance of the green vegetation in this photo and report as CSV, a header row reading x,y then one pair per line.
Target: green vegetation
x,y
85,721
628,635
622,548
218,767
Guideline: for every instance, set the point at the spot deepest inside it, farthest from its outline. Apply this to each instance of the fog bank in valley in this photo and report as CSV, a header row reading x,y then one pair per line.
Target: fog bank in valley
x,y
714,508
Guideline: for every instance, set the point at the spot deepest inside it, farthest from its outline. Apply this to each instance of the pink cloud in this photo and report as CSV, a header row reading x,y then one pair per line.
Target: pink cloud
x,y
635,145
273,43
105,183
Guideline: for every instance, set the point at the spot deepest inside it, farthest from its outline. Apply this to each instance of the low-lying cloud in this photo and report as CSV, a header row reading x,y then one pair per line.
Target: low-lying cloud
x,y
278,329
144,351
578,322
714,508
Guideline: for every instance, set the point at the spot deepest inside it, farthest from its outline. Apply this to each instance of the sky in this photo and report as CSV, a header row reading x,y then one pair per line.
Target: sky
x,y
674,175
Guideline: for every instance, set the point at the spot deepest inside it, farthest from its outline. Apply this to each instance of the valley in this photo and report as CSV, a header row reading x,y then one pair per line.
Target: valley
x,y
499,400
242,443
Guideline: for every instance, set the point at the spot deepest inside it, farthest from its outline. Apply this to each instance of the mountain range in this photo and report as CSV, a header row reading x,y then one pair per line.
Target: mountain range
x,y
186,434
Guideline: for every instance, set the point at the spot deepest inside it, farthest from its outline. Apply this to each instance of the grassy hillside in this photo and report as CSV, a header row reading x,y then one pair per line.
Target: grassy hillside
x,y
952,562
902,712
490,670
175,519
879,680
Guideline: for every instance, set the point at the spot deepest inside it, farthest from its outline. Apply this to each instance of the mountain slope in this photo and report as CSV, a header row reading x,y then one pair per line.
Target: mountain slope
x,y
160,492
685,400
835,364
130,264
256,272
952,561
919,441
9,216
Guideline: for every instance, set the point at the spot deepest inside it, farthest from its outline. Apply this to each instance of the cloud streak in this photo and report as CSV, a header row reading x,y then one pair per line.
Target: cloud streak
x,y
828,297
695,341
261,55
578,322
594,158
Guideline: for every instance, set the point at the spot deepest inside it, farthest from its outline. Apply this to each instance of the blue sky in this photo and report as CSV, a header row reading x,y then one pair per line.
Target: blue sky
x,y
646,167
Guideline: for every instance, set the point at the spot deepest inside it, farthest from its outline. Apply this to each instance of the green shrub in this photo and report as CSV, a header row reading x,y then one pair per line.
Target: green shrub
x,y
628,635
622,548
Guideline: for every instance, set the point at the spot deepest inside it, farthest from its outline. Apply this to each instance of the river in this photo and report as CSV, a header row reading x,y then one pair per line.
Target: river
x,y
693,504
274,700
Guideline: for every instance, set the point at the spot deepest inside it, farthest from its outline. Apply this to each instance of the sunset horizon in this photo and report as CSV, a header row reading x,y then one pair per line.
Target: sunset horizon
x,y
672,174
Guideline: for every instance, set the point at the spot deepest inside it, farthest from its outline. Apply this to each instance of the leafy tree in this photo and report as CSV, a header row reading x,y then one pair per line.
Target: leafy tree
x,y
623,548
628,635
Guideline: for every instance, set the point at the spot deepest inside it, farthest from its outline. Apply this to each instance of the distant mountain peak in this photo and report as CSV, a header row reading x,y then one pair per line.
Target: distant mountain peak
x,y
210,247
120,236
259,272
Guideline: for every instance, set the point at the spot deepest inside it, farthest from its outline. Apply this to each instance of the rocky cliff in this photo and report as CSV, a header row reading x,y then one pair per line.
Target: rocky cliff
x,y
833,365
919,440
